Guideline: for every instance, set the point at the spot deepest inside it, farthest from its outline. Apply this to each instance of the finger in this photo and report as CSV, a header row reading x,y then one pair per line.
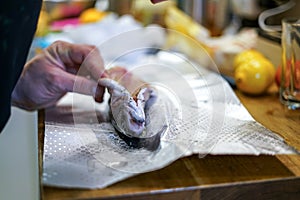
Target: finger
x,y
157,1
99,94
71,83
94,64
116,73
81,85
130,81
79,59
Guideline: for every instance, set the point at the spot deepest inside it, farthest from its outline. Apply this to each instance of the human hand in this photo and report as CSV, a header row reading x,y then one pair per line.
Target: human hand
x,y
54,72
130,81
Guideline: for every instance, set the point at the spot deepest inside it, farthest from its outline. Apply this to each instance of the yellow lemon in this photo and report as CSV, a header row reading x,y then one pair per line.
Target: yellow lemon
x,y
246,56
91,15
270,68
254,76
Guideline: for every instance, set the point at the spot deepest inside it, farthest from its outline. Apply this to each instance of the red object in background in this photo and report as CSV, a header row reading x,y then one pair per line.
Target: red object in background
x,y
296,72
278,76
72,11
59,25
297,75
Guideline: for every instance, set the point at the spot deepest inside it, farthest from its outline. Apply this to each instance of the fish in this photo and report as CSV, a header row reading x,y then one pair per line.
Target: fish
x,y
130,114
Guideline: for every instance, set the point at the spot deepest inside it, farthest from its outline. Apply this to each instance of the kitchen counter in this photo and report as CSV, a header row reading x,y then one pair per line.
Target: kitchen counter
x,y
214,177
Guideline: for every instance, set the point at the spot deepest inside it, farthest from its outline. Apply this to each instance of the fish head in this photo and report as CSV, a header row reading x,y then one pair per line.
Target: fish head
x,y
128,113
135,118
128,116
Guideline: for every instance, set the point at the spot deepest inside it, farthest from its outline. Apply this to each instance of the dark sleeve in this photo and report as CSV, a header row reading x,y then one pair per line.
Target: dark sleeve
x,y
18,20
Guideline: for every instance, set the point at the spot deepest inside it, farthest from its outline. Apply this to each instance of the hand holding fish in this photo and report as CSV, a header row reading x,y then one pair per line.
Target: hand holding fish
x,y
52,73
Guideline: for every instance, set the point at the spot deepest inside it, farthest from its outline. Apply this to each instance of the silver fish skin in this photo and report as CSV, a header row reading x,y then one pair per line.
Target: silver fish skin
x,y
128,115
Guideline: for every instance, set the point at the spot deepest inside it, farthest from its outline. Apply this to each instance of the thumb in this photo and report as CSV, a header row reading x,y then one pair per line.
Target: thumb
x,y
82,85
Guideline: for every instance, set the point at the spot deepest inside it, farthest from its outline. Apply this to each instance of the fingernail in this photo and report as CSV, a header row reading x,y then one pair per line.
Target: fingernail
x,y
104,75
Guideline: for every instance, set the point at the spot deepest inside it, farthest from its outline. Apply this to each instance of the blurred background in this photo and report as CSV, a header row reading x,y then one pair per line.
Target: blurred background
x,y
223,28
215,15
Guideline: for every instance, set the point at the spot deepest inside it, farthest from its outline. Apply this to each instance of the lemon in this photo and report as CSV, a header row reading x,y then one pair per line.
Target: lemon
x,y
91,15
254,76
246,56
270,67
